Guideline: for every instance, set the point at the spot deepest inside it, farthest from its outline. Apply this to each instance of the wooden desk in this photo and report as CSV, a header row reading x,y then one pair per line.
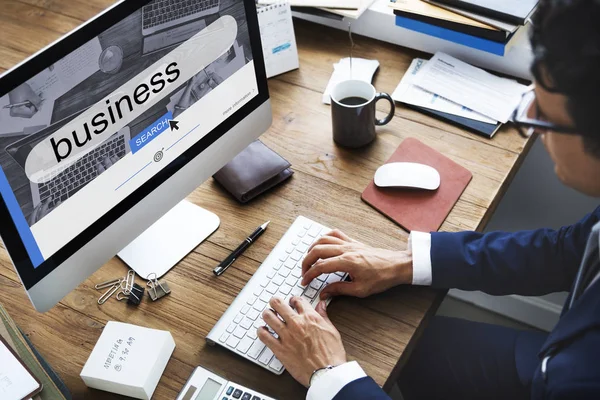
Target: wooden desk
x,y
379,331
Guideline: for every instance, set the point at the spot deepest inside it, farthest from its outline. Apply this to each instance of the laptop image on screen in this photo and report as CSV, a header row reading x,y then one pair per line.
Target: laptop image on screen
x,y
159,15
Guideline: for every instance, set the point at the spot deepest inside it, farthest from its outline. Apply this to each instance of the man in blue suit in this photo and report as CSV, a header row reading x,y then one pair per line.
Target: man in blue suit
x,y
457,359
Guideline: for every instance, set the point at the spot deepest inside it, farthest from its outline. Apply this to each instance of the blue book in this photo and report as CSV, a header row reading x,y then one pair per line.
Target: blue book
x,y
452,36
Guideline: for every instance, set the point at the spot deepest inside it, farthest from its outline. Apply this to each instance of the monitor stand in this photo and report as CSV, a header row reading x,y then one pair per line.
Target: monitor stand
x,y
160,247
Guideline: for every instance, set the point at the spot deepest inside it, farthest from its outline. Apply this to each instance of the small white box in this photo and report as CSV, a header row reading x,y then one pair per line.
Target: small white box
x,y
128,360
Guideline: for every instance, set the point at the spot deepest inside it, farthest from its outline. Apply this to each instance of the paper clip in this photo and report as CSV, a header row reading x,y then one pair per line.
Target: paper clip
x,y
128,281
153,284
106,284
108,294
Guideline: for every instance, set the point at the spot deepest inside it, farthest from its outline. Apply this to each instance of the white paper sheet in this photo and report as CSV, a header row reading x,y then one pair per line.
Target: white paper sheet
x,y
52,83
470,86
15,381
362,69
408,93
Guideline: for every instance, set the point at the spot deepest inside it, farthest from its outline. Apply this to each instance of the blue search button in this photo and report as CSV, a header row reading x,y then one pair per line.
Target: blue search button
x,y
150,133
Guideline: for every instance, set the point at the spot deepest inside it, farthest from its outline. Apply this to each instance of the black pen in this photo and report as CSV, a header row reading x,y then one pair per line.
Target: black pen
x,y
226,263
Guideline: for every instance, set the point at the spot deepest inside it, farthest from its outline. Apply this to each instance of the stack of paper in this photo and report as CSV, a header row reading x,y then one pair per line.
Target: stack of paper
x,y
340,8
450,86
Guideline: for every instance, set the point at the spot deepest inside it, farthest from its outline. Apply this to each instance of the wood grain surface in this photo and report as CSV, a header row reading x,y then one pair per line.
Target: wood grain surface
x,y
379,331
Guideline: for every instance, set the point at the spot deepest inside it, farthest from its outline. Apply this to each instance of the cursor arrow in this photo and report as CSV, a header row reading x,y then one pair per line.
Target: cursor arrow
x,y
173,125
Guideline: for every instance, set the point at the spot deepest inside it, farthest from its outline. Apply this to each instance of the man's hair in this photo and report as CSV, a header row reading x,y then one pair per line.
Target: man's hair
x,y
566,43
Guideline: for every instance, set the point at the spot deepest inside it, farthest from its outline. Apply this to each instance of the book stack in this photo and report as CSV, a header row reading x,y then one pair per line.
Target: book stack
x,y
488,25
53,387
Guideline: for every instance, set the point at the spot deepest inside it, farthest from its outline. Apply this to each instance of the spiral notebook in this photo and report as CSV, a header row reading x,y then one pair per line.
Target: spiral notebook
x,y
278,39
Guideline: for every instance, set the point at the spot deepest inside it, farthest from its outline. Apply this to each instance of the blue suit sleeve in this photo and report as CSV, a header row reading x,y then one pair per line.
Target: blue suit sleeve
x,y
530,263
362,389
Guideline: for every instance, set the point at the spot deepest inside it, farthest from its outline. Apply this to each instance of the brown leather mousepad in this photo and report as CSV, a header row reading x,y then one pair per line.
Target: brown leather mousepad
x,y
416,209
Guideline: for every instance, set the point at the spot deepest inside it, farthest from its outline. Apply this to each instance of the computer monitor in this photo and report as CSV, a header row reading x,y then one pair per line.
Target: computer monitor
x,y
105,130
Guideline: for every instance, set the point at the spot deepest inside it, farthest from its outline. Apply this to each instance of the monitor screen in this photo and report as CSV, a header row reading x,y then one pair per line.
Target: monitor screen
x,y
92,125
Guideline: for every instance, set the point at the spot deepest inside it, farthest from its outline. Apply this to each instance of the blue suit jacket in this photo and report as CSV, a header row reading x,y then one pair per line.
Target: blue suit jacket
x,y
529,263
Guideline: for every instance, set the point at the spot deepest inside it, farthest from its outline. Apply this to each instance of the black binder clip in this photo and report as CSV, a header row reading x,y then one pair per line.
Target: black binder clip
x,y
157,289
135,297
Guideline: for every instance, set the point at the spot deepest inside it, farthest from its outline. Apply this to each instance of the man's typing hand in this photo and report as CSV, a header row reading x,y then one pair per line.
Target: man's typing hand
x,y
307,340
372,270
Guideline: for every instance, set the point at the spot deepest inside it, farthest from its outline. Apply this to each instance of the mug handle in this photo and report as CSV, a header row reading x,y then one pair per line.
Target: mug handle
x,y
388,118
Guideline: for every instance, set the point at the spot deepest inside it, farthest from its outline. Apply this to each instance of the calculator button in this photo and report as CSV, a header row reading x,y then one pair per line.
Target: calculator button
x,y
230,390
255,398
246,396
237,394
225,398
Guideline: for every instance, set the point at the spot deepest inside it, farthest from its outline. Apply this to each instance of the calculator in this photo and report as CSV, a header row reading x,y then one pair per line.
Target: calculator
x,y
204,385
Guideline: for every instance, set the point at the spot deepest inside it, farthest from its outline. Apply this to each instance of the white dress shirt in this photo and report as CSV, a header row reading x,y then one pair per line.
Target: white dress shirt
x,y
328,385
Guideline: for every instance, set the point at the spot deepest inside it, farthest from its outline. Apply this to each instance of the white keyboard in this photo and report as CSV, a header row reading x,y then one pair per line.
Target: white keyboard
x,y
279,275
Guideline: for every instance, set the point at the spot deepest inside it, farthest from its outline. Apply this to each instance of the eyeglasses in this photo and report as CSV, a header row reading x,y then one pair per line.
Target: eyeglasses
x,y
526,117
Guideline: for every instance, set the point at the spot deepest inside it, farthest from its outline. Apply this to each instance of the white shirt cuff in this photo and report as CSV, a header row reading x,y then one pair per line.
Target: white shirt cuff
x,y
420,243
328,385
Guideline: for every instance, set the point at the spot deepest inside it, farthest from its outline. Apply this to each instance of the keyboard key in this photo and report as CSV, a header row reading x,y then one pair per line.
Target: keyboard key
x,y
238,318
297,272
256,349
322,277
278,280
272,288
283,256
239,332
285,289
278,266
224,337
244,345
265,357
296,291
302,248
296,255
258,291
295,242
266,296
302,233
233,341
245,309
316,284
271,273
246,396
260,305
251,300
259,323
310,293
231,327
247,323
289,264
289,249
253,314
314,231
340,273
333,278
307,225
237,394
252,333
284,272
300,285
291,280
276,364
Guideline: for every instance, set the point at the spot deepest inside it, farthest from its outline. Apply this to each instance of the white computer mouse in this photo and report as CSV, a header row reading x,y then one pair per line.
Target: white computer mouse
x,y
407,175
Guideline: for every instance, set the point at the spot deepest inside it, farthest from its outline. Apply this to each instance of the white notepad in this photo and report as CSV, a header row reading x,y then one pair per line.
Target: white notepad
x,y
278,40
16,383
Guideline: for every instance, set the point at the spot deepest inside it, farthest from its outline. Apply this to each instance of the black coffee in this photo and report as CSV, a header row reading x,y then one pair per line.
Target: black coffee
x,y
353,101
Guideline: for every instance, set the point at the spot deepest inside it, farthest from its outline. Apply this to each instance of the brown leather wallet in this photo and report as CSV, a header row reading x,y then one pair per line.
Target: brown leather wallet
x,y
254,171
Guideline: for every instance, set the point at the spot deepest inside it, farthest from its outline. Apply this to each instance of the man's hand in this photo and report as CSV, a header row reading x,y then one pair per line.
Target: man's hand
x,y
307,340
371,270
24,94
